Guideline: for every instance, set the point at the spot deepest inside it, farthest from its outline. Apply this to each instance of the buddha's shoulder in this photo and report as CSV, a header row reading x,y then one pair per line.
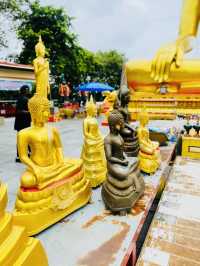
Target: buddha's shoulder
x,y
54,130
108,139
25,132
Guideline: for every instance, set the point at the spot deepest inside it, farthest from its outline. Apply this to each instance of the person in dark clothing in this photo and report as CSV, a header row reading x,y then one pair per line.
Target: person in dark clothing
x,y
22,115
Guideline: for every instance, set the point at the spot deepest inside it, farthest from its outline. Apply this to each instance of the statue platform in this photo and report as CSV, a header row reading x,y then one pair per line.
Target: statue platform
x,y
165,106
60,199
16,248
191,147
93,236
174,237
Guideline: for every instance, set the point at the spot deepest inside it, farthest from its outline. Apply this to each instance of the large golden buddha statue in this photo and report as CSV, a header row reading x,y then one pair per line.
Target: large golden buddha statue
x,y
93,155
16,248
168,74
149,154
51,186
41,68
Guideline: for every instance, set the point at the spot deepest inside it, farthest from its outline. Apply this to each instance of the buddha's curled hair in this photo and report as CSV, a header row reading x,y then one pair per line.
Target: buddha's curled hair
x,y
36,103
114,118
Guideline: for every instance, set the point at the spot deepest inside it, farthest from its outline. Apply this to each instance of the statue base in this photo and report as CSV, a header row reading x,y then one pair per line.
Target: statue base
x,y
38,209
97,180
120,203
15,247
177,99
191,147
148,163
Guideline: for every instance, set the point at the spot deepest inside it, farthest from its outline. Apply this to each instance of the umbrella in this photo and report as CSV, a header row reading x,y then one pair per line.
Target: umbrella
x,y
95,86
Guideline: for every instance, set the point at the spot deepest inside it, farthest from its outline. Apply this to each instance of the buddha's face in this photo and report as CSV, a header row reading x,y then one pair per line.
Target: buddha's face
x,y
144,120
92,110
41,51
119,126
42,115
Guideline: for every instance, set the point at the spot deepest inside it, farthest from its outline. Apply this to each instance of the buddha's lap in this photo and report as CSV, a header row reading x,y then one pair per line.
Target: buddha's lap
x,y
120,172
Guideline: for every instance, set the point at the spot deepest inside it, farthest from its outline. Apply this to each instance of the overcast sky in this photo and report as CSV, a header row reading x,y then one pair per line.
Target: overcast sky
x,y
136,28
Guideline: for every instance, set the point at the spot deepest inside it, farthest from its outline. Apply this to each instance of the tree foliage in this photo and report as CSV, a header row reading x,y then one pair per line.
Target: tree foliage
x,y
65,54
53,24
9,9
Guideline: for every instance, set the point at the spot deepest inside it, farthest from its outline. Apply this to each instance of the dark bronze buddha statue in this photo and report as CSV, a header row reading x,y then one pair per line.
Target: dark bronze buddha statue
x,y
124,184
129,134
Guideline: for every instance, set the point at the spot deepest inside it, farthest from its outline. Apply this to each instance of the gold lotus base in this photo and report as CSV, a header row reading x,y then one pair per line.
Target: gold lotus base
x,y
37,210
97,180
15,247
191,147
166,106
148,163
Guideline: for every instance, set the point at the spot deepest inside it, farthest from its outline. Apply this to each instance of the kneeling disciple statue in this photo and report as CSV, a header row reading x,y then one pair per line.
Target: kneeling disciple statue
x,y
124,184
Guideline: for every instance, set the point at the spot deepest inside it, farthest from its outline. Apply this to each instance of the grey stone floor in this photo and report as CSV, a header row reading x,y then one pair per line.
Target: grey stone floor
x,y
72,138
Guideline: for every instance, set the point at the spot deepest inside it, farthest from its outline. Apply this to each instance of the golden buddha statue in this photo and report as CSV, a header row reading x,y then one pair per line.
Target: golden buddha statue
x,y
51,186
16,248
41,68
93,154
169,76
149,154
168,64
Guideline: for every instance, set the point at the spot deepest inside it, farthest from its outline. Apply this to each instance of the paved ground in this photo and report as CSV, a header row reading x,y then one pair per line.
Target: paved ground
x,y
71,135
10,172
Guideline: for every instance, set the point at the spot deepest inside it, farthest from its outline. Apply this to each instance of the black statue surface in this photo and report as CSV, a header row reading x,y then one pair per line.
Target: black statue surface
x,y
129,134
124,184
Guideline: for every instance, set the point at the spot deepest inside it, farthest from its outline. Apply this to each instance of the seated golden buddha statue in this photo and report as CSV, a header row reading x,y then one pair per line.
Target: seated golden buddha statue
x,y
149,154
128,133
168,66
124,184
51,186
16,248
109,101
93,155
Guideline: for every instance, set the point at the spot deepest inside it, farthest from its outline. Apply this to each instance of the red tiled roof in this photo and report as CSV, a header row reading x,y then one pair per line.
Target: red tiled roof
x,y
14,65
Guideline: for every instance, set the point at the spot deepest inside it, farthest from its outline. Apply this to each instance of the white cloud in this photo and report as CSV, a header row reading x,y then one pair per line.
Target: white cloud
x,y
135,27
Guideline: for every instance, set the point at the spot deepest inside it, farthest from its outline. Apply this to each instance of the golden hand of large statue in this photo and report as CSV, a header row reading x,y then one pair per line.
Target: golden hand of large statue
x,y
161,64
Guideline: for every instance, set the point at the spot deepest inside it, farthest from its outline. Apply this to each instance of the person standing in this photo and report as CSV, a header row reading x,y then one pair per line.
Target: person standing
x,y
22,115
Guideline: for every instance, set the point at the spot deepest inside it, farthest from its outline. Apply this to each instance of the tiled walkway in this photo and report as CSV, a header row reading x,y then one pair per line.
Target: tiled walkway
x,y
174,237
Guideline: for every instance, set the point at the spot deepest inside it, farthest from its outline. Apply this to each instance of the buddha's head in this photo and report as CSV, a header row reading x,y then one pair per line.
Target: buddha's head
x,y
39,109
91,108
40,48
115,121
124,95
143,117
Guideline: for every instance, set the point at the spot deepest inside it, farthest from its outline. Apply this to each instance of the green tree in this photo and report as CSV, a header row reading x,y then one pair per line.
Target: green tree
x,y
8,11
102,66
110,67
54,25
65,54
